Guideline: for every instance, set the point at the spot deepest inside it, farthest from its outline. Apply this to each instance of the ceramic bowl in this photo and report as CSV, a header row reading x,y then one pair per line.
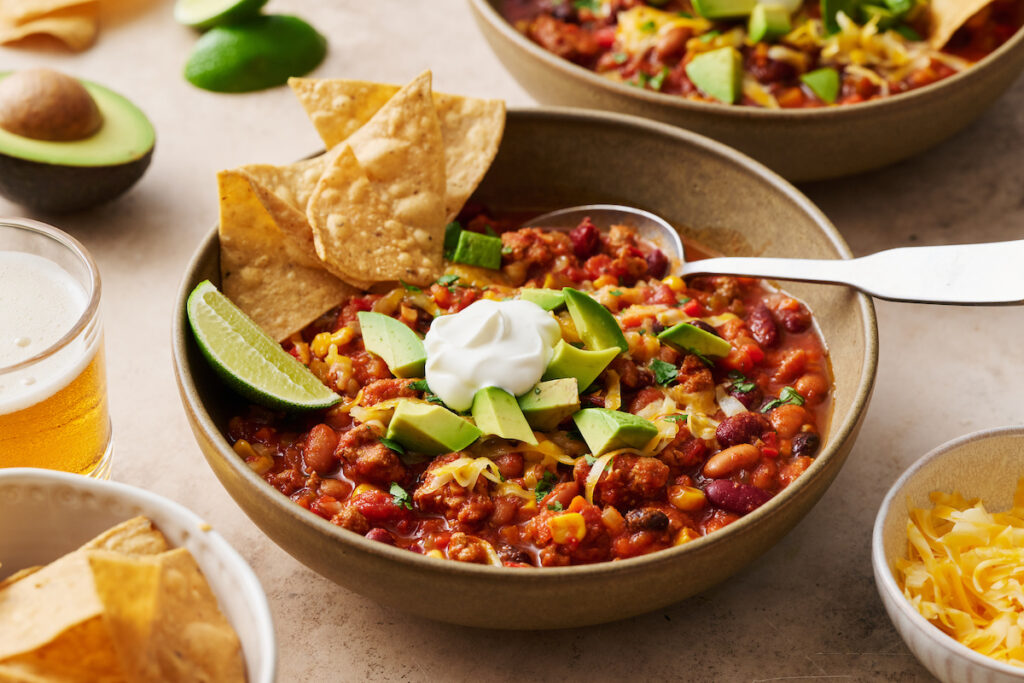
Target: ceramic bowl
x,y
558,158
983,465
46,514
802,145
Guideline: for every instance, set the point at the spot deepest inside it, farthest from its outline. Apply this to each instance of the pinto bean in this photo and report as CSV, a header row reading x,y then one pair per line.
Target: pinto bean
x,y
646,519
318,451
739,457
813,387
739,498
762,326
788,419
741,428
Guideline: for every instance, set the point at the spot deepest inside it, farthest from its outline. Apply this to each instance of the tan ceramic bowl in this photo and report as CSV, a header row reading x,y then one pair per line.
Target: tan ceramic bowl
x,y
982,465
801,145
558,158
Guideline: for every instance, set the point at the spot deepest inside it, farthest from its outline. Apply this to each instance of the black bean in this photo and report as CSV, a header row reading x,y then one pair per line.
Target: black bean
x,y
806,443
646,519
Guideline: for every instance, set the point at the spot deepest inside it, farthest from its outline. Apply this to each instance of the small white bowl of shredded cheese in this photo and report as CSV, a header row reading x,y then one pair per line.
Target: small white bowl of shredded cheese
x,y
948,556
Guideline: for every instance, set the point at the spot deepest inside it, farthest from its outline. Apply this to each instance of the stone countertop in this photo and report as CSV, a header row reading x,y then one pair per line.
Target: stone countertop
x,y
805,610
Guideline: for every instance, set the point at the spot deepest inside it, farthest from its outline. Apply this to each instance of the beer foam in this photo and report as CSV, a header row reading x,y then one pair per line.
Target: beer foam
x,y
39,303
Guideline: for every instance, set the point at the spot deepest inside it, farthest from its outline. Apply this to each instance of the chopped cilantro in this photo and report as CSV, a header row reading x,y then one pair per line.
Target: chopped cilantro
x,y
658,80
505,251
685,300
908,33
451,238
788,395
399,496
640,81
620,57
592,5
616,292
432,398
684,15
741,382
641,331
709,36
393,445
556,506
544,486
649,26
410,288
590,458
664,373
419,385
447,280
677,418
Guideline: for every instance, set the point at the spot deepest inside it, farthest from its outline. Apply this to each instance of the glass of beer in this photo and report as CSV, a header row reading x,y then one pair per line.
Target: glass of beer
x,y
53,394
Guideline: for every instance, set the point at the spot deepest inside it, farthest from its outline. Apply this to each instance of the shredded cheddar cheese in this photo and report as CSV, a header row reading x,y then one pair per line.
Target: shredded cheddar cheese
x,y
966,572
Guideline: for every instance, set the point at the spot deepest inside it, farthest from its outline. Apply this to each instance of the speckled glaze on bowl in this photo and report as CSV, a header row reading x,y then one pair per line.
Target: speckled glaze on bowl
x,y
45,514
982,465
555,158
799,144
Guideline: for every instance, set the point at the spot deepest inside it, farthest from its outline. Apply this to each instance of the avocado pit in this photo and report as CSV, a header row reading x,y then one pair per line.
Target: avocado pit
x,y
43,104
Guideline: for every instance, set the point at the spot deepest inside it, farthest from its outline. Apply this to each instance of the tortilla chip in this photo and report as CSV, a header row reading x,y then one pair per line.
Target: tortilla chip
x,y
263,271
19,575
20,11
471,128
137,536
75,26
292,183
83,653
947,16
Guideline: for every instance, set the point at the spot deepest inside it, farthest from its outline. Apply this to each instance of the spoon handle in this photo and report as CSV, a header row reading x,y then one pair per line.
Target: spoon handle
x,y
991,273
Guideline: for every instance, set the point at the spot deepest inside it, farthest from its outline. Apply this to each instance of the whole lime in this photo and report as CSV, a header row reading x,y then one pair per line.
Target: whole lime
x,y
259,53
204,14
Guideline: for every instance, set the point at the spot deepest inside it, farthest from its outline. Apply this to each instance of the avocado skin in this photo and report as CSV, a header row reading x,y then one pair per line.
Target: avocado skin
x,y
56,188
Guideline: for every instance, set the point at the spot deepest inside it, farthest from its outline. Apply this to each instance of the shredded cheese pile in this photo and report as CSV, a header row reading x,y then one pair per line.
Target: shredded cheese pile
x,y
966,573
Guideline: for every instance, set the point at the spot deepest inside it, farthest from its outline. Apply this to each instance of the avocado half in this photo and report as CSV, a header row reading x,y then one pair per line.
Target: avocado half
x,y
57,176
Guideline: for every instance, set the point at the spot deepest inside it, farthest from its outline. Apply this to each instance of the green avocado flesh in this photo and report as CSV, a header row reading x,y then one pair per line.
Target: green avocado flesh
x,y
393,341
548,403
548,299
768,22
607,430
584,366
125,136
723,9
695,340
430,429
495,411
718,73
595,324
475,249
824,83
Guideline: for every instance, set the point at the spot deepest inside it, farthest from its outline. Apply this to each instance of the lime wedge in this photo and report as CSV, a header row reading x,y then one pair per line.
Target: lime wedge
x,y
248,359
203,14
260,53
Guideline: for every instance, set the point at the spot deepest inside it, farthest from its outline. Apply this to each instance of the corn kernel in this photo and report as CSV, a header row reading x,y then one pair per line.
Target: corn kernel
x,y
244,449
435,553
605,281
320,344
529,506
549,281
363,488
687,498
577,504
685,535
675,283
566,527
343,336
333,357
492,295
613,520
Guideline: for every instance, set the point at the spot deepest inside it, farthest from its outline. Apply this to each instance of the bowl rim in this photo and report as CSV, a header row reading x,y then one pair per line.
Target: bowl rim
x,y
746,525
243,574
885,582
486,11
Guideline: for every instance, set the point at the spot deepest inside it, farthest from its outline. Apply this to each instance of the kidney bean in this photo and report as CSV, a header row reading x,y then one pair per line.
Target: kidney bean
x,y
739,457
749,399
646,519
672,42
380,535
741,428
318,451
657,263
806,443
586,239
739,498
795,320
701,325
762,326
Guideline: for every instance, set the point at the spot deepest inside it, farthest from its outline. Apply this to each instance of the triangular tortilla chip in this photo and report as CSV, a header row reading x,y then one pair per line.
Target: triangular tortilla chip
x,y
262,271
947,16
292,183
137,536
74,26
20,11
471,128
378,211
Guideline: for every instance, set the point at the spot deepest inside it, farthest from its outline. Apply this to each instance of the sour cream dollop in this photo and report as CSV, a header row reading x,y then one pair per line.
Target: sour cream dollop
x,y
505,344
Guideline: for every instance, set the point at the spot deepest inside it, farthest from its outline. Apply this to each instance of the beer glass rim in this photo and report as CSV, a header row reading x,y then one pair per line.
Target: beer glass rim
x,y
91,309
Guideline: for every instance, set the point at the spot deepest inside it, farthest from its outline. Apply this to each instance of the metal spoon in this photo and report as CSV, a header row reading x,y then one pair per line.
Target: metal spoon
x,y
963,274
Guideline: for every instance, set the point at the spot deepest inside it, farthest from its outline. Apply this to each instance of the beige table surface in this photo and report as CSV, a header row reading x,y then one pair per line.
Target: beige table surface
x,y
806,610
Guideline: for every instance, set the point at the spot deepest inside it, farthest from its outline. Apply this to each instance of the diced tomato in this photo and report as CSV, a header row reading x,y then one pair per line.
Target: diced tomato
x,y
605,36
441,295
694,309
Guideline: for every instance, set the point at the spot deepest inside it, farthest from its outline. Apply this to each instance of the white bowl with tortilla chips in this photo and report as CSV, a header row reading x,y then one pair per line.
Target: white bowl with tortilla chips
x,y
46,515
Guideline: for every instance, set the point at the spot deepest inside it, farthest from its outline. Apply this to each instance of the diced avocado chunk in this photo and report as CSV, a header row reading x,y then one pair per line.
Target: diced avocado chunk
x,y
718,73
475,249
430,429
495,411
393,341
768,22
695,340
595,324
830,8
883,16
585,366
606,430
548,403
899,7
548,299
723,9
824,83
